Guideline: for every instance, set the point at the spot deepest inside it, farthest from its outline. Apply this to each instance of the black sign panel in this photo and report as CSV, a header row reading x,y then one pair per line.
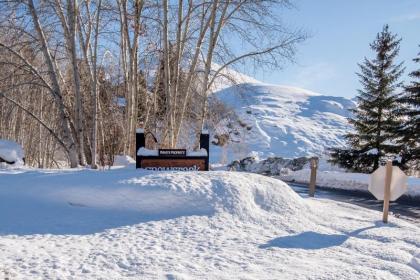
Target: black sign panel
x,y
172,159
173,152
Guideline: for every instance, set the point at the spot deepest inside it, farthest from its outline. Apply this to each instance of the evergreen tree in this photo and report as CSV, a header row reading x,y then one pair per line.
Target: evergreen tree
x,y
410,129
374,121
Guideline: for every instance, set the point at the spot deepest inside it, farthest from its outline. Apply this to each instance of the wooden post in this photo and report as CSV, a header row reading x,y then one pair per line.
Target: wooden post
x,y
388,178
205,144
140,143
312,181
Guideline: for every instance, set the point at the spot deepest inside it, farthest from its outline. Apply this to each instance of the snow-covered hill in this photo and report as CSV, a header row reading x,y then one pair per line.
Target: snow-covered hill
x,y
275,120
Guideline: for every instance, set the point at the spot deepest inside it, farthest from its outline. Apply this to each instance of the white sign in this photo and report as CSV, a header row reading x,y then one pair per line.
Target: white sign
x,y
398,183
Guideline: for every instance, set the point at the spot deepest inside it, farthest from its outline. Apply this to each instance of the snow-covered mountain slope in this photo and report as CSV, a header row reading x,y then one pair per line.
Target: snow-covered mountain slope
x,y
134,224
229,77
274,120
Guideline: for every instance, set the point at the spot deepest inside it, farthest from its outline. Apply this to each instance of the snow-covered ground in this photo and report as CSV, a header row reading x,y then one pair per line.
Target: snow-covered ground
x,y
131,224
345,180
328,175
280,120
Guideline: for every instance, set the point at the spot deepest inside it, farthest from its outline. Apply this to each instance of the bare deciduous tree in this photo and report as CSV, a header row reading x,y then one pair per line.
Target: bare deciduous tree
x,y
98,68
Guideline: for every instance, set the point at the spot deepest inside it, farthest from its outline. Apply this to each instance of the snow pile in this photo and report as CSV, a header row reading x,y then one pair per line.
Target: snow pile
x,y
12,152
284,121
123,160
147,197
344,180
241,195
131,224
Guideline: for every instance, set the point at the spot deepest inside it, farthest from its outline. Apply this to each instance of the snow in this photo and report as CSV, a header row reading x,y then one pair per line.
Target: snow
x,y
281,121
131,224
12,152
147,152
345,180
123,160
228,77
200,153
328,175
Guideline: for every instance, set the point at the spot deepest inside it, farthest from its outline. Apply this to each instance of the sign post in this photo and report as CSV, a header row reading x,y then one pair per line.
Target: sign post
x,y
387,192
312,181
387,183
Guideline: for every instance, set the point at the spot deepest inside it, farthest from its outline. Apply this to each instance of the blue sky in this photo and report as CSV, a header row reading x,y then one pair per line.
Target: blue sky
x,y
341,31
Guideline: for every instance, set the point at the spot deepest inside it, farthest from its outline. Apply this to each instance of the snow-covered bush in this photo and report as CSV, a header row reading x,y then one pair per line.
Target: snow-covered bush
x,y
11,153
123,160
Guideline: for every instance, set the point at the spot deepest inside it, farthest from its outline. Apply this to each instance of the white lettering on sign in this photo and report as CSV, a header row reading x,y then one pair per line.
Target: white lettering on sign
x,y
174,168
172,152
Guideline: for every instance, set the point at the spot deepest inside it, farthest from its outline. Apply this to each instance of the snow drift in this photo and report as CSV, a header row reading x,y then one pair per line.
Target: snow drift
x,y
131,224
86,204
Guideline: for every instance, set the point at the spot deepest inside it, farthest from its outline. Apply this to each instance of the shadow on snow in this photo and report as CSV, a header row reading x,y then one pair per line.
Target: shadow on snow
x,y
310,240
81,202
74,218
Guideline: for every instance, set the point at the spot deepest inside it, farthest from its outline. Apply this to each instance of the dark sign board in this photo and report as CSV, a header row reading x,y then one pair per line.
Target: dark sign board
x,y
173,152
172,159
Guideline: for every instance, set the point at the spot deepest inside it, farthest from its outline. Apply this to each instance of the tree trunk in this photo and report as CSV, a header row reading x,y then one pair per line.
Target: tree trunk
x,y
56,90
78,107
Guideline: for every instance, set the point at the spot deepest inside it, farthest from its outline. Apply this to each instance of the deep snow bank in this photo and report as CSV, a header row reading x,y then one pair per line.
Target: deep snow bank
x,y
87,201
130,224
243,195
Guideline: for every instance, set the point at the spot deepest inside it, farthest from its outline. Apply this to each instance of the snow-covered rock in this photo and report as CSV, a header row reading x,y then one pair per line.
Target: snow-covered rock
x,y
11,152
269,166
276,120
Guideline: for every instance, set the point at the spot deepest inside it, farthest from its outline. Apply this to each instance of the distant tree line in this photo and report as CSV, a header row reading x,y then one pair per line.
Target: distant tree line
x,y
386,120
77,77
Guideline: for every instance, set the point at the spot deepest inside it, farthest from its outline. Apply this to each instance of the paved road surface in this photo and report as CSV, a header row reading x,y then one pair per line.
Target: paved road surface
x,y
403,208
